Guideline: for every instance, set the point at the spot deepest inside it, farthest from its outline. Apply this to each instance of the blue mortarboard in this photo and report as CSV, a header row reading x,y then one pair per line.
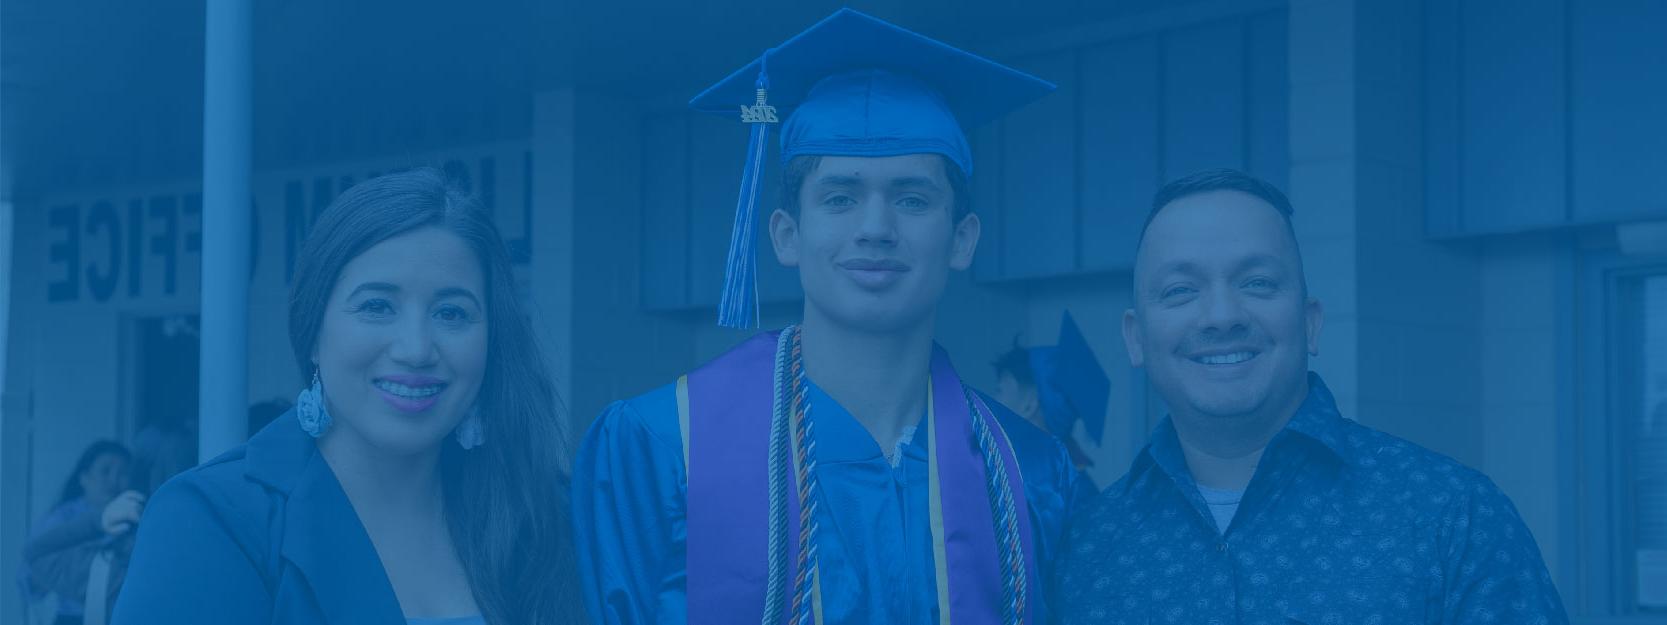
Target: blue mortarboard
x,y
1070,383
853,85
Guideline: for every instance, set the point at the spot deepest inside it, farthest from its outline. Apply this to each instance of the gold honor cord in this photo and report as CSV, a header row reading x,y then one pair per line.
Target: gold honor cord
x,y
683,421
816,570
940,557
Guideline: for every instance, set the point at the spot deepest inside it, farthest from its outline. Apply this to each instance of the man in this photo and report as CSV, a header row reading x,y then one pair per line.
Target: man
x,y
836,471
1255,501
1054,387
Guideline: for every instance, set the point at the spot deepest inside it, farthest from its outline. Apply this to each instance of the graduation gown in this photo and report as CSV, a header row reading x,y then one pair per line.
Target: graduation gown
x,y
875,545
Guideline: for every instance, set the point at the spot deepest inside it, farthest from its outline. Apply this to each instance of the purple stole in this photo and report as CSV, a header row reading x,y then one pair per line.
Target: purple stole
x,y
730,401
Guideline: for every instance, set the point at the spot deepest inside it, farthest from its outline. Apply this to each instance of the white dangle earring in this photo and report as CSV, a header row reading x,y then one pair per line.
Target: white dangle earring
x,y
469,432
310,411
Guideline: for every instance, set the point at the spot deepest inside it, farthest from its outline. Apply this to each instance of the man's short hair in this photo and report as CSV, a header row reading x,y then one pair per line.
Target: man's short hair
x,y
1220,180
1224,179
799,167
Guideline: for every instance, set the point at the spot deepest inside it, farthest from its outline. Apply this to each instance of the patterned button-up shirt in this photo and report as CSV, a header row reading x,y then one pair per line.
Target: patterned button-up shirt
x,y
1341,524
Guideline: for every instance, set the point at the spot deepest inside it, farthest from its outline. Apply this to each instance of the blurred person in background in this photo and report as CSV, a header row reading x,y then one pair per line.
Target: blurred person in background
x,y
1056,386
93,513
160,451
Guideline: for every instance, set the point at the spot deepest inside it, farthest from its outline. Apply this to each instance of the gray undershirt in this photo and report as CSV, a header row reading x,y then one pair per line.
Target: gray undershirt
x,y
1223,504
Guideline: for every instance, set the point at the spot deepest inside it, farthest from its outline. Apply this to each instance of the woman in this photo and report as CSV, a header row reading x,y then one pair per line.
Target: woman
x,y
89,520
416,480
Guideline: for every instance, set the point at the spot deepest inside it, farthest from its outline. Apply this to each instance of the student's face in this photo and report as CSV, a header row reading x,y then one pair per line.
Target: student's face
x,y
1220,319
874,242
402,347
105,478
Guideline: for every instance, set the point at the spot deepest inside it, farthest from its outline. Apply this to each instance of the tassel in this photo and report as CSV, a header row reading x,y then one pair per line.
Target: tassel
x,y
738,306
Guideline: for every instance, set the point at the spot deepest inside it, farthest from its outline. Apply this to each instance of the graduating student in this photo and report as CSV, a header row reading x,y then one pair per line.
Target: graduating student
x,y
837,470
1056,386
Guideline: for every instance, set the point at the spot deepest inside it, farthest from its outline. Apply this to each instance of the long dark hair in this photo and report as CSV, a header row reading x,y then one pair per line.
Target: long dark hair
x,y
99,449
505,501
160,452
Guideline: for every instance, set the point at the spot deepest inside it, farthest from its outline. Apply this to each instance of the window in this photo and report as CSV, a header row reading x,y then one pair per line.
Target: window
x,y
1623,439
1643,385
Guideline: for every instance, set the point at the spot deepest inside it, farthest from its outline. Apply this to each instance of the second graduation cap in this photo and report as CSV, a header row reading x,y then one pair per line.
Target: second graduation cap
x,y
853,85
1070,384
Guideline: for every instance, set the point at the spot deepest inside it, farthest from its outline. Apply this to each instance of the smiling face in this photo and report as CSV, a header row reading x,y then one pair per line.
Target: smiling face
x,y
1221,319
402,346
874,240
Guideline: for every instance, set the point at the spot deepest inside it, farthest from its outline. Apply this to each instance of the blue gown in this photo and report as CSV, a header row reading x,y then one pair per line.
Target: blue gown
x,y
876,545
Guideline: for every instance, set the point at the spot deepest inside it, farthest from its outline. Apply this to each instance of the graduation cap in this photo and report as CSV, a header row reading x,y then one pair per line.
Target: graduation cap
x,y
853,85
1070,383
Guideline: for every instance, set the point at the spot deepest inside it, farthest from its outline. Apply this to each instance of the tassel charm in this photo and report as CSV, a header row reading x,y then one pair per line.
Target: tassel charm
x,y
760,112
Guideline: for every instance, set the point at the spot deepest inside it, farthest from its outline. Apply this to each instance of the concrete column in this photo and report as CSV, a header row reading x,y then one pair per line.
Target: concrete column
x,y
551,271
8,228
14,466
1400,347
1451,345
224,395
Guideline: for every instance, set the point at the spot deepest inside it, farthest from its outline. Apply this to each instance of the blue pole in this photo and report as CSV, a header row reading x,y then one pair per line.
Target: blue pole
x,y
224,379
